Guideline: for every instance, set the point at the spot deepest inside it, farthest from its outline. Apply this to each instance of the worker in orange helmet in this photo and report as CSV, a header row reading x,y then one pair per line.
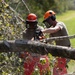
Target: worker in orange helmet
x,y
56,29
33,60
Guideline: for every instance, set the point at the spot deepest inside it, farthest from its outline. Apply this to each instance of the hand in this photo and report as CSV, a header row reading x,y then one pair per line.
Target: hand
x,y
38,33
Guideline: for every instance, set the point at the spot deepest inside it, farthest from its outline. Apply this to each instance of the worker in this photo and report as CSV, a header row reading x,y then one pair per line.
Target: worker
x,y
33,60
56,29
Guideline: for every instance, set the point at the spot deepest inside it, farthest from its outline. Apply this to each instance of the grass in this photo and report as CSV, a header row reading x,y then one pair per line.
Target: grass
x,y
71,65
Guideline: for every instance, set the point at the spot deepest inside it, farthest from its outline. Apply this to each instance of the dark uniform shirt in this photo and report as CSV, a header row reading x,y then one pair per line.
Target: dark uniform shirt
x,y
28,34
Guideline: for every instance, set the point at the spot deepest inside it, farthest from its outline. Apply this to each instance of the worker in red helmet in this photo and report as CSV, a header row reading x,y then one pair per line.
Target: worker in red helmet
x,y
56,29
34,61
32,28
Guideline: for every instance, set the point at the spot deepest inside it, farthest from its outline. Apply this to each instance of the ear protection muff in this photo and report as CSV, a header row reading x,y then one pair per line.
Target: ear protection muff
x,y
53,17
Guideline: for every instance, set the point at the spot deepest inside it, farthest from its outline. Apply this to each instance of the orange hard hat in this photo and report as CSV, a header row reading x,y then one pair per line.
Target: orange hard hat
x,y
48,14
31,17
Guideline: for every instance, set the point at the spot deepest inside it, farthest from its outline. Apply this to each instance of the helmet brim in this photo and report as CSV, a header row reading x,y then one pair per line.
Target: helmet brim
x,y
31,20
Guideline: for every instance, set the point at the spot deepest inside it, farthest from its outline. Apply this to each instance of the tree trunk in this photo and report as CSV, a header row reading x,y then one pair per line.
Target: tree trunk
x,y
36,47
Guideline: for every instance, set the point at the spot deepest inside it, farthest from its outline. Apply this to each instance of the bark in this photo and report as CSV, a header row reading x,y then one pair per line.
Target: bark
x,y
36,47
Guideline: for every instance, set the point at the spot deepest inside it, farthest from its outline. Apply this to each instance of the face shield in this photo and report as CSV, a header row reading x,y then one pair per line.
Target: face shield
x,y
48,22
31,25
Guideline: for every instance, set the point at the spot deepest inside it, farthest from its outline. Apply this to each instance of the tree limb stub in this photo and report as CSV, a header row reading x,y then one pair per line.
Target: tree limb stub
x,y
36,47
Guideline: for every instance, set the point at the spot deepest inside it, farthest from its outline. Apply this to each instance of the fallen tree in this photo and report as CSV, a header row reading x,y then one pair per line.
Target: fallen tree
x,y
36,47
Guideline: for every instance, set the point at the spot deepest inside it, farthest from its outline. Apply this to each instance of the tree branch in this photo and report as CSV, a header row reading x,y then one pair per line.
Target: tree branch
x,y
59,38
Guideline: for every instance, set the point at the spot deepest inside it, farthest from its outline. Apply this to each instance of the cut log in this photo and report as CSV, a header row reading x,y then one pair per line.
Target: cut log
x,y
36,47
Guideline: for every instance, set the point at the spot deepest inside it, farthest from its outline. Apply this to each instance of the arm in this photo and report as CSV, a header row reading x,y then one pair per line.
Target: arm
x,y
51,30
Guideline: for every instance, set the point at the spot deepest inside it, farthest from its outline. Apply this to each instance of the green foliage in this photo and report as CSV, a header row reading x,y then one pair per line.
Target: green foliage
x,y
56,5
10,25
71,65
36,71
10,28
11,64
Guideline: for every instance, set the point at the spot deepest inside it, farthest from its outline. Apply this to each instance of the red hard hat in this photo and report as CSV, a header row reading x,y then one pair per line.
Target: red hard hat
x,y
31,17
